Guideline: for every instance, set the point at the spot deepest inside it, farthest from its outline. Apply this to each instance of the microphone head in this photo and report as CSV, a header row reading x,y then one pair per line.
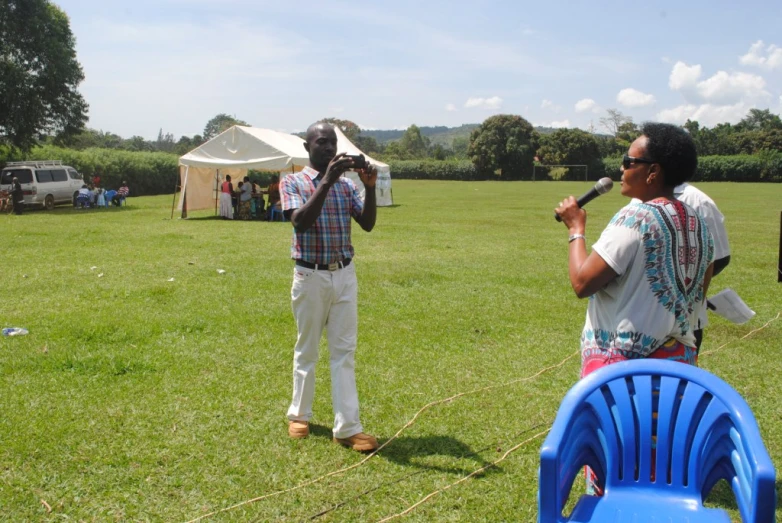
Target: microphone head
x,y
604,185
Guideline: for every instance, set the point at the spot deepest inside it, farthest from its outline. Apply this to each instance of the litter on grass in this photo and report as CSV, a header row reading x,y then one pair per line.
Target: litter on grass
x,y
14,331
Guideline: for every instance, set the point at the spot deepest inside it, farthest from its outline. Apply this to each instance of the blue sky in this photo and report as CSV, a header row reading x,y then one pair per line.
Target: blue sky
x,y
174,64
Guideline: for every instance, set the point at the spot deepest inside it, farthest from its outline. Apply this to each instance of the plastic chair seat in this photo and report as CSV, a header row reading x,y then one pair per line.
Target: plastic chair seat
x,y
630,506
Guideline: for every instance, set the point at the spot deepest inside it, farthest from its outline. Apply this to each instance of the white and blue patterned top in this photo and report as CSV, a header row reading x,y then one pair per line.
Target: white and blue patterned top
x,y
660,250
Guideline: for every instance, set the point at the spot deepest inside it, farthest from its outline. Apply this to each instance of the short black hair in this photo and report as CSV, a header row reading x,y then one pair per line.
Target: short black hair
x,y
673,148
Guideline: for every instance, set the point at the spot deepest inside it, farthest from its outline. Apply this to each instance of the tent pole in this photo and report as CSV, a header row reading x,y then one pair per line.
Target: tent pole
x,y
217,188
176,184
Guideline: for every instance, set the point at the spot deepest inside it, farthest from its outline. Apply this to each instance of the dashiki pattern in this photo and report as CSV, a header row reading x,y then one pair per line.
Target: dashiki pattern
x,y
676,251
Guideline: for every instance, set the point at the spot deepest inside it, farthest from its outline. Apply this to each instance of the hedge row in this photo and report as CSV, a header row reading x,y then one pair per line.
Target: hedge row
x,y
462,170
147,173
150,173
739,168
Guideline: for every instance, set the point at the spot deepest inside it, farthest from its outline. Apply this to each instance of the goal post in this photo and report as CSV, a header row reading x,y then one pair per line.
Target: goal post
x,y
559,171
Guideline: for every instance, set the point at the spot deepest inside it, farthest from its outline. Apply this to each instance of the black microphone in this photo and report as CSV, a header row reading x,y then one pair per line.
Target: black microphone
x,y
602,186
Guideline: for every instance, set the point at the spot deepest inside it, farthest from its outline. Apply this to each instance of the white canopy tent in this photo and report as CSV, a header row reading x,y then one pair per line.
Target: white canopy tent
x,y
240,148
233,152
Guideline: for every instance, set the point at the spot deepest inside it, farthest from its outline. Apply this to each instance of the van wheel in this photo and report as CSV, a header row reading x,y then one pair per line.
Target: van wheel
x,y
48,202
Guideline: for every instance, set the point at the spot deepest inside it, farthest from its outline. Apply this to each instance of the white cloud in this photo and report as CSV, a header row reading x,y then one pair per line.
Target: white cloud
x,y
683,77
548,104
770,59
707,115
726,88
677,115
495,102
722,88
560,124
586,104
634,98
450,107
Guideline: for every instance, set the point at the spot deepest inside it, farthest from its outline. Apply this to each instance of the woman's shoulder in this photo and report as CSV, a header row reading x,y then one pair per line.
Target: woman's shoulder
x,y
634,215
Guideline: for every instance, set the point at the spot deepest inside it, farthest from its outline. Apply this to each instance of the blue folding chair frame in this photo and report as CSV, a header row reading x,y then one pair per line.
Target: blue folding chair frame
x,y
701,431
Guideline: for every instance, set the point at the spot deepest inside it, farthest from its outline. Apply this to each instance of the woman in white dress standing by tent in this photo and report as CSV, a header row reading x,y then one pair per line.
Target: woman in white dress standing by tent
x,y
226,192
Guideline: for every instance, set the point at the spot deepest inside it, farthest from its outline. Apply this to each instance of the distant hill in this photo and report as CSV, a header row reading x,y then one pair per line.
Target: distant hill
x,y
437,135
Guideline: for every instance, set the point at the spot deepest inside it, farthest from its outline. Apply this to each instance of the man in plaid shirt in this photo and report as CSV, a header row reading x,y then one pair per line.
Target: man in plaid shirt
x,y
320,203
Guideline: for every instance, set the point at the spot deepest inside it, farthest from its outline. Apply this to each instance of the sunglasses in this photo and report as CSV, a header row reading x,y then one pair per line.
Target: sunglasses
x,y
627,161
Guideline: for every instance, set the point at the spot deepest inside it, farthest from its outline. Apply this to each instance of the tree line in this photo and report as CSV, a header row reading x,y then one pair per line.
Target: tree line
x,y
42,110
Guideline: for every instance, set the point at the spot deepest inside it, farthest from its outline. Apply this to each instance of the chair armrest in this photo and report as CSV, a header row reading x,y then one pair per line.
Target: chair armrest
x,y
575,441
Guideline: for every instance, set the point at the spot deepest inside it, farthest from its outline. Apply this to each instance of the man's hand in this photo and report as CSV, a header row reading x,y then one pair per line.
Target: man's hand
x,y
368,176
337,167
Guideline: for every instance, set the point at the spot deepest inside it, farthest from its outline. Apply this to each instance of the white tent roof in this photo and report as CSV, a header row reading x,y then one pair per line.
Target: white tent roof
x,y
248,148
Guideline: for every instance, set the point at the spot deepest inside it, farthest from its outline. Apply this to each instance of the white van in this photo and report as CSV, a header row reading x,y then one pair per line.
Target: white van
x,y
45,183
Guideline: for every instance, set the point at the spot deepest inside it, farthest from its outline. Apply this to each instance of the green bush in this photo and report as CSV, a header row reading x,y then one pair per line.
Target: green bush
x,y
763,167
147,173
462,170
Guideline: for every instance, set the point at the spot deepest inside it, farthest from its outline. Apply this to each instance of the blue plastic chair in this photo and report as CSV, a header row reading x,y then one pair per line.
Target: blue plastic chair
x,y
702,429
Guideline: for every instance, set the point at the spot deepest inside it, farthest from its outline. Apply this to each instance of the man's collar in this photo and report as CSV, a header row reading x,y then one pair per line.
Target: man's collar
x,y
309,171
679,189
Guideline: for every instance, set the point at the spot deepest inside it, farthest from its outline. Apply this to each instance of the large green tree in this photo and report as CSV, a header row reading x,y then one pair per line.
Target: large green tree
x,y
571,147
413,144
504,143
760,120
220,123
614,120
39,73
349,129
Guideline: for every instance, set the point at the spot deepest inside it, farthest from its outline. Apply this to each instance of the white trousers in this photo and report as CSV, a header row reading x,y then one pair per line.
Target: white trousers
x,y
326,299
226,209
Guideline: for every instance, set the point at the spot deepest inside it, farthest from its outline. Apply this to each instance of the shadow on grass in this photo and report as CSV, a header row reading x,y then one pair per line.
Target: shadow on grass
x,y
218,217
722,496
69,210
424,453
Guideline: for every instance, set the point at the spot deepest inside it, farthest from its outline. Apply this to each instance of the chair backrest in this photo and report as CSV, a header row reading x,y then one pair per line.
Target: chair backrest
x,y
671,426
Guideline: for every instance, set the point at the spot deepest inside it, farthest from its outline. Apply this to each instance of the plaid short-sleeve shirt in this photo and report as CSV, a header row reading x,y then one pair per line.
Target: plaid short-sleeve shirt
x,y
328,240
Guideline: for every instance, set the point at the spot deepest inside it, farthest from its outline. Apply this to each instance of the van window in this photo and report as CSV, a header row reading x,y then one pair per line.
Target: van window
x,y
43,175
59,175
24,175
74,174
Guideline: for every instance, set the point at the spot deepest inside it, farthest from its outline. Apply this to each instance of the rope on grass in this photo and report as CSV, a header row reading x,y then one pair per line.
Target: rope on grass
x,y
474,453
465,478
384,445
747,335
436,492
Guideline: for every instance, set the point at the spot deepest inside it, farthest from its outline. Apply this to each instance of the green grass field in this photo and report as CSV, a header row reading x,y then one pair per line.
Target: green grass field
x,y
135,398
